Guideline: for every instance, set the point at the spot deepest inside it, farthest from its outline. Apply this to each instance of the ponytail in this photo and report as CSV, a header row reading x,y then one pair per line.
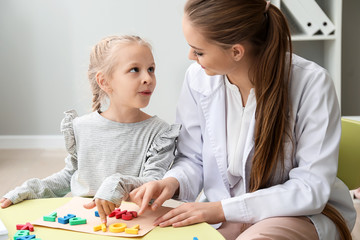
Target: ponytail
x,y
271,75
339,221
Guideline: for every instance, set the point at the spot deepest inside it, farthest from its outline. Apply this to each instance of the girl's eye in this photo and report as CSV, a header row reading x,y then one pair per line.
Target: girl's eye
x,y
151,69
197,54
135,69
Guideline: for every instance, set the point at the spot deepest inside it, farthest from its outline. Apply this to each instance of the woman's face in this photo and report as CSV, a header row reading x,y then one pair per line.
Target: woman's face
x,y
214,59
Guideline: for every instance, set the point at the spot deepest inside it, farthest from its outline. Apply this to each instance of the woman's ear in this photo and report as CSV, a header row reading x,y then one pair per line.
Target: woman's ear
x,y
103,82
238,51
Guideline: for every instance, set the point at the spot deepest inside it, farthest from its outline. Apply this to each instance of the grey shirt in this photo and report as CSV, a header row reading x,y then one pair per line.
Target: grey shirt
x,y
106,159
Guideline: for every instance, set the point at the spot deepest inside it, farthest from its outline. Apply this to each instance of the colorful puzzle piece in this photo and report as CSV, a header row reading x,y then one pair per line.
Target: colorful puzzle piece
x,y
100,227
103,227
134,230
120,213
134,213
51,217
113,213
77,221
65,219
97,228
33,237
27,226
127,216
21,233
97,214
117,227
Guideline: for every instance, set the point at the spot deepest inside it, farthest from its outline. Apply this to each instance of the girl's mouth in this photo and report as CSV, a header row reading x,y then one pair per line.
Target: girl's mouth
x,y
146,93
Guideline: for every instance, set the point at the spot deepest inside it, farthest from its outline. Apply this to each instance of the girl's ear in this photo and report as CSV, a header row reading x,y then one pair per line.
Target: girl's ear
x,y
238,51
103,82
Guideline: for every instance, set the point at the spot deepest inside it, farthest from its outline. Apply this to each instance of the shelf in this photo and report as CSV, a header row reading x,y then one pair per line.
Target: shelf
x,y
323,49
299,37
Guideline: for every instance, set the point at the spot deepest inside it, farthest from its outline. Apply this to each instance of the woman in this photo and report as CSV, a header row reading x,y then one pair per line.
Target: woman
x,y
260,132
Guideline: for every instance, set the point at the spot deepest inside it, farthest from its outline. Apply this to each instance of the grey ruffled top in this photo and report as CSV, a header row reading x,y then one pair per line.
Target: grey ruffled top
x,y
106,159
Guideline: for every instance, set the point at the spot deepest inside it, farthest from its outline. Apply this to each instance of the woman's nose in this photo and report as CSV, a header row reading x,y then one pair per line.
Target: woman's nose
x,y
191,55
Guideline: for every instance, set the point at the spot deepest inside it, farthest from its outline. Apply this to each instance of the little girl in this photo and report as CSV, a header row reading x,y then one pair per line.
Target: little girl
x,y
114,151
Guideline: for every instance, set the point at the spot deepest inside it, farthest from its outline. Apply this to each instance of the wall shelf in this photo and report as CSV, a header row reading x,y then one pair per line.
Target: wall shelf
x,y
325,50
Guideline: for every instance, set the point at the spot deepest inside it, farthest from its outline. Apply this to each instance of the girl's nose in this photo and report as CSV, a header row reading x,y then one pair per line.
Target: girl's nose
x,y
148,78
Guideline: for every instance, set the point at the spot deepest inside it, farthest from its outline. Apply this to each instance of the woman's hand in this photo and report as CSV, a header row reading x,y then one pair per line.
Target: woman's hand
x,y
159,191
5,202
191,213
357,193
104,207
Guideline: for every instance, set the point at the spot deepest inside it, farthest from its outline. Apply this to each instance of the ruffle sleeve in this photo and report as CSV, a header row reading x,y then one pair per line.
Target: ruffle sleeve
x,y
165,141
68,131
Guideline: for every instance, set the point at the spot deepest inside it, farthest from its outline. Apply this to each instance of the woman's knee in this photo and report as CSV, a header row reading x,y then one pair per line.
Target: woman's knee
x,y
281,228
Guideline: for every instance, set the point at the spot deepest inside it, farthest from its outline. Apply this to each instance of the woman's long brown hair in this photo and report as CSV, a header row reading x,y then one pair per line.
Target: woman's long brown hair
x,y
229,22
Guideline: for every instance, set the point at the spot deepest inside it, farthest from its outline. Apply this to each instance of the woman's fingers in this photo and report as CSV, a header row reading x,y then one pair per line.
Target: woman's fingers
x,y
146,195
191,213
154,193
164,195
178,217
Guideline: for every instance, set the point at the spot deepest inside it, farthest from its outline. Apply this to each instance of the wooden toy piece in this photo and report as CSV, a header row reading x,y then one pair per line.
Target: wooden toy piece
x,y
120,213
27,226
103,227
117,227
97,228
97,214
77,221
51,217
65,219
127,216
21,233
134,213
134,230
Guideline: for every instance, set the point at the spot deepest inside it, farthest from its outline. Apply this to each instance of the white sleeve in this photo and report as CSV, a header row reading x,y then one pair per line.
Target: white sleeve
x,y
188,166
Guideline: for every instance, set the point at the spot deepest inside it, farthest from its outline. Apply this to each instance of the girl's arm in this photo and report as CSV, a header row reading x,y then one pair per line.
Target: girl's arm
x,y
160,156
56,185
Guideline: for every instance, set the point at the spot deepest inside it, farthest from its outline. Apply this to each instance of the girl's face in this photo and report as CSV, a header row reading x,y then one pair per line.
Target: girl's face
x,y
214,59
133,79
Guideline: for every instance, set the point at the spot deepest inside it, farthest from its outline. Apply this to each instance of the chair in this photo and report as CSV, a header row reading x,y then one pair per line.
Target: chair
x,y
349,154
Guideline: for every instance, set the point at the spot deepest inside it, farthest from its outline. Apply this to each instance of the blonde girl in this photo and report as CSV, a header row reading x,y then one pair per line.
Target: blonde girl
x,y
118,147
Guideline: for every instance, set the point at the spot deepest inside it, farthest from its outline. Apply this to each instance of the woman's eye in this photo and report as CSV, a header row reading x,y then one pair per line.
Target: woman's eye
x,y
135,69
151,69
197,53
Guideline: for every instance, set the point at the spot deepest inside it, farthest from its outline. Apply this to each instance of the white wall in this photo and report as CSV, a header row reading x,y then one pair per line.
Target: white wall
x,y
44,51
44,48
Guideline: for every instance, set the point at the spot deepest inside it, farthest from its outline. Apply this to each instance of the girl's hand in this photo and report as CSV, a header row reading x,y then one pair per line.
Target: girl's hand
x,y
5,202
191,213
104,208
159,191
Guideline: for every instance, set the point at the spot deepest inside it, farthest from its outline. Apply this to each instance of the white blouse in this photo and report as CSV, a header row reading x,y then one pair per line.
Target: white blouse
x,y
238,120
